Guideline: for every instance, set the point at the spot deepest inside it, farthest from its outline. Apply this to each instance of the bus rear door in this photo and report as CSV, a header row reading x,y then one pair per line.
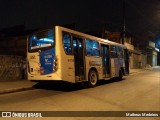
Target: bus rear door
x,y
78,50
105,60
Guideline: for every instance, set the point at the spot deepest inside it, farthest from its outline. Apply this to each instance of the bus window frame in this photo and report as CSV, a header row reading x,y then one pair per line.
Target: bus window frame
x,y
119,51
111,55
71,41
84,45
97,49
42,48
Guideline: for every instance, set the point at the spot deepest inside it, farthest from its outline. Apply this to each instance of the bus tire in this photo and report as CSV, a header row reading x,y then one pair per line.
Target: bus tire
x,y
92,78
120,75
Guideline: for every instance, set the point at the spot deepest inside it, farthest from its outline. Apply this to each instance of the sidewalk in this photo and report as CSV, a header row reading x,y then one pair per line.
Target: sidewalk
x,y
21,85
15,86
135,70
139,70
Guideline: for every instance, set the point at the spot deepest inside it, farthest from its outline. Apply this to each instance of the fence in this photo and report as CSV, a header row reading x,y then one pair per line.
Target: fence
x,y
11,67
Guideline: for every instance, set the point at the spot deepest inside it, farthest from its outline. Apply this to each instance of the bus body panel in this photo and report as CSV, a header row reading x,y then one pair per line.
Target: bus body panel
x,y
113,68
66,62
94,62
34,63
116,65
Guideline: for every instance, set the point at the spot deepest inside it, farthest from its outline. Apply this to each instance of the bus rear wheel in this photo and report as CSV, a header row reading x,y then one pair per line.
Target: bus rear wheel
x,y
92,78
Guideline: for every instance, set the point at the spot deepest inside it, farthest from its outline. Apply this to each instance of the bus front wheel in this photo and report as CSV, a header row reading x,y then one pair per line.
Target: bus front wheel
x,y
92,78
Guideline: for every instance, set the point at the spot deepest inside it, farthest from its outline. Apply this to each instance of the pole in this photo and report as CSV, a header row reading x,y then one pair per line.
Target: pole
x,y
124,21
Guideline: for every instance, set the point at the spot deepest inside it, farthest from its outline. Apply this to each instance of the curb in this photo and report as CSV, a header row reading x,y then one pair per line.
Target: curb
x,y
13,90
137,71
140,70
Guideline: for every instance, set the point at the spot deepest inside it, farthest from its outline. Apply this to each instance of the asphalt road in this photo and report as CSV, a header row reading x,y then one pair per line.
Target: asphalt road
x,y
136,92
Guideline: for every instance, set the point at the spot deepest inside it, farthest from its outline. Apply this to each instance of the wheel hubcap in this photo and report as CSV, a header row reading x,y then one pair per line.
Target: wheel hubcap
x,y
93,78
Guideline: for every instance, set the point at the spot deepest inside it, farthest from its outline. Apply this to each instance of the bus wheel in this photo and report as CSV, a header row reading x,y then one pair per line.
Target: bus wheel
x,y
92,78
120,75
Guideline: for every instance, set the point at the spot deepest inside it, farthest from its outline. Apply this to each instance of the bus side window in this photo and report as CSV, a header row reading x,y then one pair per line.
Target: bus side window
x,y
92,48
67,43
119,52
113,52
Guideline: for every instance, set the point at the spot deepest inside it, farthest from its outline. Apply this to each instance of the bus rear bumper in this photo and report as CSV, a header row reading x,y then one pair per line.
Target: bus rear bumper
x,y
44,77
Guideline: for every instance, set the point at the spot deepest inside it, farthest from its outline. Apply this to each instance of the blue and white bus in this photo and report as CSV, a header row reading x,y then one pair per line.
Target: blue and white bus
x,y
62,54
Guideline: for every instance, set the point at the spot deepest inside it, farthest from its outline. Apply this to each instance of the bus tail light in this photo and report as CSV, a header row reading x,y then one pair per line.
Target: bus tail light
x,y
55,64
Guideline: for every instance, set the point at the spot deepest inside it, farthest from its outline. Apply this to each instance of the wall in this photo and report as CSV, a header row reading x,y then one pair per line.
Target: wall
x,y
154,57
14,46
11,67
142,60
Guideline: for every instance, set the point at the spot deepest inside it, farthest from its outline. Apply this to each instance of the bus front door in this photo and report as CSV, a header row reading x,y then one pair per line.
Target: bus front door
x,y
105,60
78,50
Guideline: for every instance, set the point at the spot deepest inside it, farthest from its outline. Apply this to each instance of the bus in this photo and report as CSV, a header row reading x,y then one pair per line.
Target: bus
x,y
62,54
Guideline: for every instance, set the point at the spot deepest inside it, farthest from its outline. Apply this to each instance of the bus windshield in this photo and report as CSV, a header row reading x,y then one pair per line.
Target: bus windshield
x,y
41,40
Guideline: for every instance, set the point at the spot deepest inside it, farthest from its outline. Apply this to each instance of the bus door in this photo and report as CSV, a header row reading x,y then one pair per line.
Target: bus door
x,y
126,60
105,60
78,50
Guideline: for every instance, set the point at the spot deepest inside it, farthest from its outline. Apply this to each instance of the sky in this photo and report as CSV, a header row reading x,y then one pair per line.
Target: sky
x,y
141,15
